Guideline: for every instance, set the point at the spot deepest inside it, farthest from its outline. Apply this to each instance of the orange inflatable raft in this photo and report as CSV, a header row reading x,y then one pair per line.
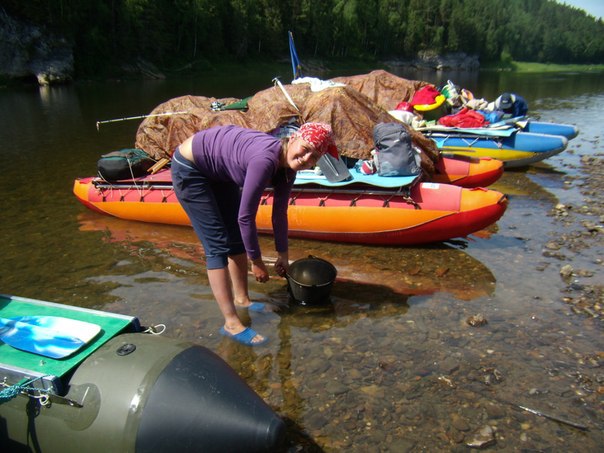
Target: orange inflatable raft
x,y
365,210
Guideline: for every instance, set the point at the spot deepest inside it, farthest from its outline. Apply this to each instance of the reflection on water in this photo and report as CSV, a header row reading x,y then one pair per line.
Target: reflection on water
x,y
517,183
391,363
404,271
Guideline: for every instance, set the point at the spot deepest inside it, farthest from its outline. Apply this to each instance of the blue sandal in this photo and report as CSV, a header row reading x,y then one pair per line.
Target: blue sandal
x,y
258,307
244,337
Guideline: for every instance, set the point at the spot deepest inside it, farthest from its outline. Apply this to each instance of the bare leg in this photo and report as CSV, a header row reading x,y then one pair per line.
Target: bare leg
x,y
220,283
238,269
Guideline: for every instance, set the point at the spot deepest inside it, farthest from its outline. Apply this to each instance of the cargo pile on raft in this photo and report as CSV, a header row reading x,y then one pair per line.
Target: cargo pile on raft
x,y
351,113
354,105
350,199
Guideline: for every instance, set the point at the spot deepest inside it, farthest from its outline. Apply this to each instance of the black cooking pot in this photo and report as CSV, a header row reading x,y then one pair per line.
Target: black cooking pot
x,y
310,280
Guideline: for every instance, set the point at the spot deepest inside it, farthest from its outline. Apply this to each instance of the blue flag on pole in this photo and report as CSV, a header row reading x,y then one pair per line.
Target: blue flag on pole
x,y
296,67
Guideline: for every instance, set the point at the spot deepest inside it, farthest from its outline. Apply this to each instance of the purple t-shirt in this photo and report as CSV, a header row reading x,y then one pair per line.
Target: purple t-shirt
x,y
249,159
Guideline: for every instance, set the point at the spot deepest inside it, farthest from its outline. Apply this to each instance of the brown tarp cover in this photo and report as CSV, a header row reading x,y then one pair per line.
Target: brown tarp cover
x,y
158,136
383,88
350,112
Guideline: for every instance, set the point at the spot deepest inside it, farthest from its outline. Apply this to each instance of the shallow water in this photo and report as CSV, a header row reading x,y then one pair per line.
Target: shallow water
x,y
391,364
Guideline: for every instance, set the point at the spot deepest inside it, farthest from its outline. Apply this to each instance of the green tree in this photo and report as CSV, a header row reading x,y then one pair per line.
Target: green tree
x,y
170,33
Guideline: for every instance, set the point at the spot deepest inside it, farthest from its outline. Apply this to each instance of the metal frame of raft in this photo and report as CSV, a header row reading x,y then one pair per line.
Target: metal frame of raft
x,y
403,192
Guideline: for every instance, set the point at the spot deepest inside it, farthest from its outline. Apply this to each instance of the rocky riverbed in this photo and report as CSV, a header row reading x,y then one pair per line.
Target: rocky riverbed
x,y
584,233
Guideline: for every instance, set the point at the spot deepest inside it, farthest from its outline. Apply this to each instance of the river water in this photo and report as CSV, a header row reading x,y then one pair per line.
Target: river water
x,y
391,364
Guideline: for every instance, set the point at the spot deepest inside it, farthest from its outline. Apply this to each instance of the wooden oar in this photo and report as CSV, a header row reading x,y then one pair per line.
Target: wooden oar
x,y
49,336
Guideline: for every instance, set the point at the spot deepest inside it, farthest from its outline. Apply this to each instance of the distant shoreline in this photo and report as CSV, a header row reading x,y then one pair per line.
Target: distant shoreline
x,y
314,68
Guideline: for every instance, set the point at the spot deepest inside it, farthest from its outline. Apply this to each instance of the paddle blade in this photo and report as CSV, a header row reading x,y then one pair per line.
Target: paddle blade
x,y
49,336
335,170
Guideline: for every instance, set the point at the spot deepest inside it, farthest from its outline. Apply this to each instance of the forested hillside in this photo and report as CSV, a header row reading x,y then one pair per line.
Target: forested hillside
x,y
172,33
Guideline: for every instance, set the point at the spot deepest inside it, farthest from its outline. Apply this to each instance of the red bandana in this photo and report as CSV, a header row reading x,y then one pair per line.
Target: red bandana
x,y
320,136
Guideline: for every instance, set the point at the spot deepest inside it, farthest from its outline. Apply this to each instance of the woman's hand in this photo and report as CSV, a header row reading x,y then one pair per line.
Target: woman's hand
x,y
282,264
259,270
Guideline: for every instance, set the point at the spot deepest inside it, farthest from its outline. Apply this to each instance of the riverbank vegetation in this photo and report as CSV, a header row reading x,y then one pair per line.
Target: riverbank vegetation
x,y
523,66
182,34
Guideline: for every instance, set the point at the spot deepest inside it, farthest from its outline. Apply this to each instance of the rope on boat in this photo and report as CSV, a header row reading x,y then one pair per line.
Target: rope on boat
x,y
157,329
105,188
23,386
136,186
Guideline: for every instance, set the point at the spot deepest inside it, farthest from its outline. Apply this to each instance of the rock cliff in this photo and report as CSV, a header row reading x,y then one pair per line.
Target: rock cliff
x,y
431,60
29,51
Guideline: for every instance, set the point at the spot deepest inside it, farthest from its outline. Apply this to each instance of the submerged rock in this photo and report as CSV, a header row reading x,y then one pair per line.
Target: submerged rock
x,y
485,437
477,320
566,271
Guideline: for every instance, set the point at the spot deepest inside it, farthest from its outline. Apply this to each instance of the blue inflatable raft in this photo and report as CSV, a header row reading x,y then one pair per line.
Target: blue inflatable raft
x,y
515,142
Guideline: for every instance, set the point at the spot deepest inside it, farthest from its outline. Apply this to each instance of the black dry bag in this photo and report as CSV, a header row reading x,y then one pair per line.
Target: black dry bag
x,y
124,164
